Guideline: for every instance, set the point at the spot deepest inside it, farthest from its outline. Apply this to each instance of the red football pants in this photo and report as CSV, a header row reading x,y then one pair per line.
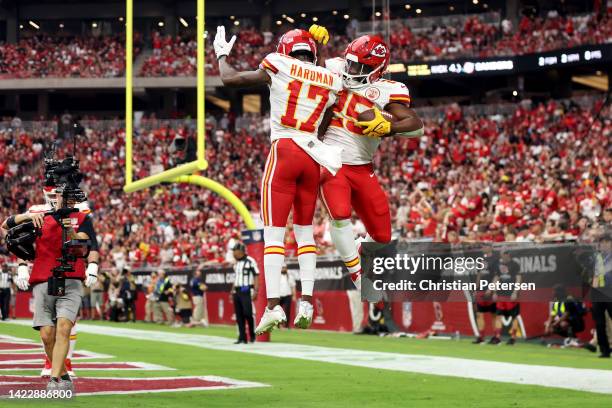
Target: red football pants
x,y
356,187
291,179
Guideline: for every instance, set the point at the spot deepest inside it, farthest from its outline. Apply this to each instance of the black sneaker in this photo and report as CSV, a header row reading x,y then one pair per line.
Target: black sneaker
x,y
478,340
494,340
590,347
240,342
604,355
511,342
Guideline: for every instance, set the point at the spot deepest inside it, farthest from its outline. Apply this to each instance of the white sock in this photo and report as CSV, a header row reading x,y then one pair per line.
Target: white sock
x,y
342,234
307,256
73,339
274,258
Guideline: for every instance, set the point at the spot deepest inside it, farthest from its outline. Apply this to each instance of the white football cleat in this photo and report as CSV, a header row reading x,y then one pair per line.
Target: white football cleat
x,y
271,319
303,320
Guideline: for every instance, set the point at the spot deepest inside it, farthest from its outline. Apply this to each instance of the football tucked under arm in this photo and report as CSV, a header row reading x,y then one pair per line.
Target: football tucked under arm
x,y
404,121
368,115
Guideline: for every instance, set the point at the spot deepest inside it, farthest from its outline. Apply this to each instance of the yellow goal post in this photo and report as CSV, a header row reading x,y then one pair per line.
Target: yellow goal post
x,y
200,163
182,173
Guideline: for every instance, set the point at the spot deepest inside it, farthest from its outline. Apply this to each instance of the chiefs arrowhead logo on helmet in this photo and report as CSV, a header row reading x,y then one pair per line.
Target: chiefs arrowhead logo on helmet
x,y
379,51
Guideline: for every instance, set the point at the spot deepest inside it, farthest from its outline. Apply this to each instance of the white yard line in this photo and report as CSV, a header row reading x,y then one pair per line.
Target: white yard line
x,y
579,379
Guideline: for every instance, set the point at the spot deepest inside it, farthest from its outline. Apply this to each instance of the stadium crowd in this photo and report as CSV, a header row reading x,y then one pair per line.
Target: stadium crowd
x,y
479,39
47,56
541,172
103,56
474,38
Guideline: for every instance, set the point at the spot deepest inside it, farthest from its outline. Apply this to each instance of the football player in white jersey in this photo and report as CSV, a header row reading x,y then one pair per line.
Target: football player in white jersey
x,y
300,94
356,186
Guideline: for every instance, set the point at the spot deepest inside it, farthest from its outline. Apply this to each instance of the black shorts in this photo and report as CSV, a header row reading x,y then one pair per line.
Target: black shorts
x,y
512,311
485,308
185,315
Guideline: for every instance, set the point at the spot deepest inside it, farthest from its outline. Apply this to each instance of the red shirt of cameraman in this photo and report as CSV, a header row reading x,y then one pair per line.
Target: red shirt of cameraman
x,y
49,249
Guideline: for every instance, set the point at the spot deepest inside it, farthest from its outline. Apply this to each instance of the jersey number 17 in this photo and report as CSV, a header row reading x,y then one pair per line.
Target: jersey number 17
x,y
314,92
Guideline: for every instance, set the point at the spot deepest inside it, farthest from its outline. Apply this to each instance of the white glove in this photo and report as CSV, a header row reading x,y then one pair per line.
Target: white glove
x,y
222,47
91,274
23,277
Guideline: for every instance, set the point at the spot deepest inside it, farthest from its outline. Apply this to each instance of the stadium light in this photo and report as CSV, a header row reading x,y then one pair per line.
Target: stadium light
x,y
419,11
94,25
378,14
33,24
407,6
120,18
278,22
452,8
290,19
315,19
61,25
346,16
236,23
160,24
303,15
284,16
21,26
514,93
232,17
335,12
475,1
485,5
183,22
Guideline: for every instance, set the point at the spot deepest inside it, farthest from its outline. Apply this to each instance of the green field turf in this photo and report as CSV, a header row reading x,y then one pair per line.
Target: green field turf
x,y
300,383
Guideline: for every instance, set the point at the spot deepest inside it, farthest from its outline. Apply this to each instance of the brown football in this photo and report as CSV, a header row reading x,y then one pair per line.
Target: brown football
x,y
368,115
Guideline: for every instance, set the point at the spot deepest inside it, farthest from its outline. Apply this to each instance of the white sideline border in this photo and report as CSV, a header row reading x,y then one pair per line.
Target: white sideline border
x,y
577,379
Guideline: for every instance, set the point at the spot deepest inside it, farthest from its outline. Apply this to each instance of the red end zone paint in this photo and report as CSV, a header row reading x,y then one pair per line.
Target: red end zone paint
x,y
101,385
19,346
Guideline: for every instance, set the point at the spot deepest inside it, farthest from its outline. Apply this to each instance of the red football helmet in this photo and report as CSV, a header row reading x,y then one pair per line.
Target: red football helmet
x,y
367,58
297,40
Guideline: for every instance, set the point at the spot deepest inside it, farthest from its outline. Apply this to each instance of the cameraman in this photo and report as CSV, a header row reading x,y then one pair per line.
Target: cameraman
x,y
54,316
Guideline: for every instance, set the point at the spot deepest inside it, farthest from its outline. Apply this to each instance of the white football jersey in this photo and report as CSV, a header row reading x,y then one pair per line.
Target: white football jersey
x,y
300,93
343,131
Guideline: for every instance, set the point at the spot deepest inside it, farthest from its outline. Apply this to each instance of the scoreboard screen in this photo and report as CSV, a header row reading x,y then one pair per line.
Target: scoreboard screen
x,y
584,55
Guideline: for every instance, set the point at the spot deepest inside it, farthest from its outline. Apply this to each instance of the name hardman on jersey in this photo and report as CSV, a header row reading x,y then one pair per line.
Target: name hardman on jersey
x,y
299,95
343,132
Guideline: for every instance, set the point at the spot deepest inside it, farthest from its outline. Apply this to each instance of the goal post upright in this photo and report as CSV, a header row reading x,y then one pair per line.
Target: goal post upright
x,y
184,173
200,163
